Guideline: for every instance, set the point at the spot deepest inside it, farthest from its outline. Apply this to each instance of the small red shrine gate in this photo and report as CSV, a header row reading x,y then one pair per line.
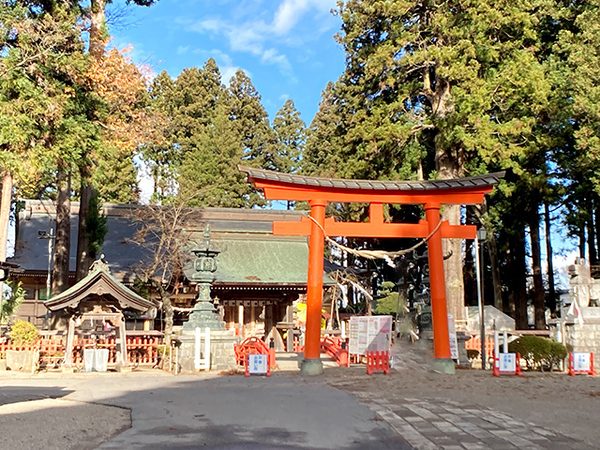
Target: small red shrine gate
x,y
432,194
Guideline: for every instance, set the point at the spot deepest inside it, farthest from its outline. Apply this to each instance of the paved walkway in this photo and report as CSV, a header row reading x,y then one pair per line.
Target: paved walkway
x,y
444,424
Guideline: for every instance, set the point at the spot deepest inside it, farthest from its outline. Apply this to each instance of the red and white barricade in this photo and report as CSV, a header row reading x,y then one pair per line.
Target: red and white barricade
x,y
507,364
580,362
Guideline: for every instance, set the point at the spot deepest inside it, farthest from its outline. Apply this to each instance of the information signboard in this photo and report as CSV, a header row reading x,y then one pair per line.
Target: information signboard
x,y
370,333
452,335
507,362
582,362
258,364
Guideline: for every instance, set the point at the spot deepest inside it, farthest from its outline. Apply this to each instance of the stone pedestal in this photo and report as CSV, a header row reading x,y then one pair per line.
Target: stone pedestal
x,y
222,356
463,359
441,365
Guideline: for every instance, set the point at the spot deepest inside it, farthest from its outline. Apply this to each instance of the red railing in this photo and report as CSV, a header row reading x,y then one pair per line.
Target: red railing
x,y
475,344
142,350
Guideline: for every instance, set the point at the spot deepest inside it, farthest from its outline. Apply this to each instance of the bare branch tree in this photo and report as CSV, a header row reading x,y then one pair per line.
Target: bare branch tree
x,y
164,231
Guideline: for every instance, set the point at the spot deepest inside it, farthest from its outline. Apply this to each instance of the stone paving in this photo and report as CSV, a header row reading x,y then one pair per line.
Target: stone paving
x,y
444,424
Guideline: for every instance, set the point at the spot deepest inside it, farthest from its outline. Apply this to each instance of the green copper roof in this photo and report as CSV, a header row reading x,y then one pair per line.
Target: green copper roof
x,y
255,261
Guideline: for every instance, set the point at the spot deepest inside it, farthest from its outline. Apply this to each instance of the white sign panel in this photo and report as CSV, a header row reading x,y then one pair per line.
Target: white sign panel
x,y
258,364
582,362
452,335
507,362
370,333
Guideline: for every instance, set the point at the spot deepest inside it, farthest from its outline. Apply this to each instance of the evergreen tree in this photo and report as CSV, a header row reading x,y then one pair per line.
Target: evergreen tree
x,y
290,134
439,90
250,120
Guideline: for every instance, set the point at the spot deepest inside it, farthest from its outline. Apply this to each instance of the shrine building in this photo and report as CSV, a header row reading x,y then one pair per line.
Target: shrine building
x,y
258,276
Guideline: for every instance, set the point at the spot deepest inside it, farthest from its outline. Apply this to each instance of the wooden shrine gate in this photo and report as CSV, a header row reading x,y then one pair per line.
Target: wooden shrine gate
x,y
432,194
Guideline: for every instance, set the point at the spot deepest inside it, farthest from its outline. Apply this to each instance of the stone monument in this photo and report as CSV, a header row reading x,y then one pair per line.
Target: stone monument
x,y
205,315
579,326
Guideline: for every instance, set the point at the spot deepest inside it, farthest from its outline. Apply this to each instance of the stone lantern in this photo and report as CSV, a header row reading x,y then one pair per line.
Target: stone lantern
x,y
204,314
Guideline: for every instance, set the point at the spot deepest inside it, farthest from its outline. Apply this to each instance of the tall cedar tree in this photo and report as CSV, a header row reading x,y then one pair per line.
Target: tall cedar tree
x,y
45,78
442,89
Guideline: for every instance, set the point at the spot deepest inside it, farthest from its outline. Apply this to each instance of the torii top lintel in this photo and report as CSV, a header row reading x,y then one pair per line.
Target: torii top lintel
x,y
281,186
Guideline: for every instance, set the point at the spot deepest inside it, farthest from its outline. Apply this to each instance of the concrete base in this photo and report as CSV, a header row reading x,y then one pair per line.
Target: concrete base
x,y
67,369
445,366
311,367
222,355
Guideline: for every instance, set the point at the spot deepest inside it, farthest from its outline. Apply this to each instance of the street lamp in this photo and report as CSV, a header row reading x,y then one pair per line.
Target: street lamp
x,y
43,234
480,238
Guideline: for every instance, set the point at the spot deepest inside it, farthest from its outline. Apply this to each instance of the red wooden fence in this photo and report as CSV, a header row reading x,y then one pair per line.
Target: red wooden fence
x,y
142,350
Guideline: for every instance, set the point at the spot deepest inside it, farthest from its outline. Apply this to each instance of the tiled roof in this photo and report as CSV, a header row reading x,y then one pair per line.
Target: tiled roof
x,y
250,253
373,185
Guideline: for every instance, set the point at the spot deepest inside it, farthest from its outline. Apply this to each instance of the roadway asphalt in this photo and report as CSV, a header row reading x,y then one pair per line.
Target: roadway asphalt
x,y
153,410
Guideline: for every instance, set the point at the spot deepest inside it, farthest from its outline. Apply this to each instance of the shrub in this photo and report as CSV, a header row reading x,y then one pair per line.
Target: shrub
x,y
538,352
23,333
558,352
472,354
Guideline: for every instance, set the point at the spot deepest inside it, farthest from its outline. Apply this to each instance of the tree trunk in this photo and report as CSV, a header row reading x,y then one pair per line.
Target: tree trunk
x,y
539,300
5,204
453,267
448,165
582,242
495,267
516,280
97,28
97,46
83,239
167,306
591,231
60,273
549,257
597,222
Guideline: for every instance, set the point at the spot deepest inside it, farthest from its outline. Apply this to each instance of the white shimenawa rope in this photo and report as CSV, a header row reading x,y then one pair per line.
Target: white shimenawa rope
x,y
376,254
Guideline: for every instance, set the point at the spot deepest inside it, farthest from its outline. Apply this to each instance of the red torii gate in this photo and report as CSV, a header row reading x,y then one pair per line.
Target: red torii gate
x,y
432,194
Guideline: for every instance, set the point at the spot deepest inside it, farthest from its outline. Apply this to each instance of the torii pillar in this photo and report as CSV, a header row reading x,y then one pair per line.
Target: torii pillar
x,y
319,191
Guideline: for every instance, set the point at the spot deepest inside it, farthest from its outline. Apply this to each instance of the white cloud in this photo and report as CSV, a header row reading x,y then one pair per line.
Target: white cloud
x,y
182,49
288,14
228,72
208,25
271,56
222,59
249,30
248,37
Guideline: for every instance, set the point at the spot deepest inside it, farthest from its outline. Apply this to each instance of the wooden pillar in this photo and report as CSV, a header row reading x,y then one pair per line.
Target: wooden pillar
x,y
122,359
268,320
439,309
289,318
252,318
312,364
70,338
241,319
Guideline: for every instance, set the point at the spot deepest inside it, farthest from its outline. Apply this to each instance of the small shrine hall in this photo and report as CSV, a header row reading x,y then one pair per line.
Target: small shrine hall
x,y
318,192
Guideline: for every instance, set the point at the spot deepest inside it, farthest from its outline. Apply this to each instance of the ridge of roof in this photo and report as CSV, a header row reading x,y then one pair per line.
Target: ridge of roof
x,y
376,185
77,292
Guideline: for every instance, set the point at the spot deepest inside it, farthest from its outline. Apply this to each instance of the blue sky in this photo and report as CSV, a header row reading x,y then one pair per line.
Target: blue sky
x,y
285,46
